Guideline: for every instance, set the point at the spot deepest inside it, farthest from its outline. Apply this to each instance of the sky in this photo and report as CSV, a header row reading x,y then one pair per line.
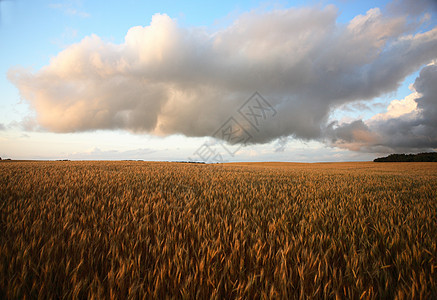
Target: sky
x,y
302,81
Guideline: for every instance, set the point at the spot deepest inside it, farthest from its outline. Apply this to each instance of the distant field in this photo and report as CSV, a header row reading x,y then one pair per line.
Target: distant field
x,y
198,231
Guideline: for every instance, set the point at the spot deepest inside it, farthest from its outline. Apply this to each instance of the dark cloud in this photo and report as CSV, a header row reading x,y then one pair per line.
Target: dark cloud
x,y
165,79
409,132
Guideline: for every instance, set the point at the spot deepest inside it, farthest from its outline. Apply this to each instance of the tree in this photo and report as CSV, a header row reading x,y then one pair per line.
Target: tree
x,y
419,157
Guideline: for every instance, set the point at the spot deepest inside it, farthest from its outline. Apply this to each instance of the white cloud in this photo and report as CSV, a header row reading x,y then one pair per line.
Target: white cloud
x,y
71,8
97,153
398,108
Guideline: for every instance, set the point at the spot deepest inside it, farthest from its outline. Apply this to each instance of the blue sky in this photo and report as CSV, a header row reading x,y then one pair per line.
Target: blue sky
x,y
33,33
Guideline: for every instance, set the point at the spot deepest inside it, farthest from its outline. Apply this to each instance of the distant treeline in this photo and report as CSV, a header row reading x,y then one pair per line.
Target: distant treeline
x,y
429,156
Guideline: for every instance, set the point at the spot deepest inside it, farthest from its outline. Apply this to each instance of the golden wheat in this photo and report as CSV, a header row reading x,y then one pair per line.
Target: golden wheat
x,y
172,230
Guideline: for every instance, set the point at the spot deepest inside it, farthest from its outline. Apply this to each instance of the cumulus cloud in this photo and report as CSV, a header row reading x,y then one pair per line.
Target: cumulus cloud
x,y
408,125
165,79
398,108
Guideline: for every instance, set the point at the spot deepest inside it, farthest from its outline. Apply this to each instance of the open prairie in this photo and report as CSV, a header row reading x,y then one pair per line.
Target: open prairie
x,y
240,230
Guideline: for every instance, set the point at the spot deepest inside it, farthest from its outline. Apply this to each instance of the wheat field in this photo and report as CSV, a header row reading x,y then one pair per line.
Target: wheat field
x,y
133,230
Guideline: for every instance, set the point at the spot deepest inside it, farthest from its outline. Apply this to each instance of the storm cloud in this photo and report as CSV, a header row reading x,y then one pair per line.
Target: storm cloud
x,y
166,79
409,125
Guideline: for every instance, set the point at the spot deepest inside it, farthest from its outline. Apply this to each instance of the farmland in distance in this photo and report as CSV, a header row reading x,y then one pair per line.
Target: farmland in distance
x,y
252,230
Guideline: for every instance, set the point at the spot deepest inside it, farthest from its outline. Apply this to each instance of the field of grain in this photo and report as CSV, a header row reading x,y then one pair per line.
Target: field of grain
x,y
248,230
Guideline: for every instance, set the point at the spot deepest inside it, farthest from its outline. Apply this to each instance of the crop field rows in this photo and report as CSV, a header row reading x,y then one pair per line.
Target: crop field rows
x,y
116,230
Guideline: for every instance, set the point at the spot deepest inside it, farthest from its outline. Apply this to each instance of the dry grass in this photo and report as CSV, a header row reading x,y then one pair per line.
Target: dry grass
x,y
273,230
